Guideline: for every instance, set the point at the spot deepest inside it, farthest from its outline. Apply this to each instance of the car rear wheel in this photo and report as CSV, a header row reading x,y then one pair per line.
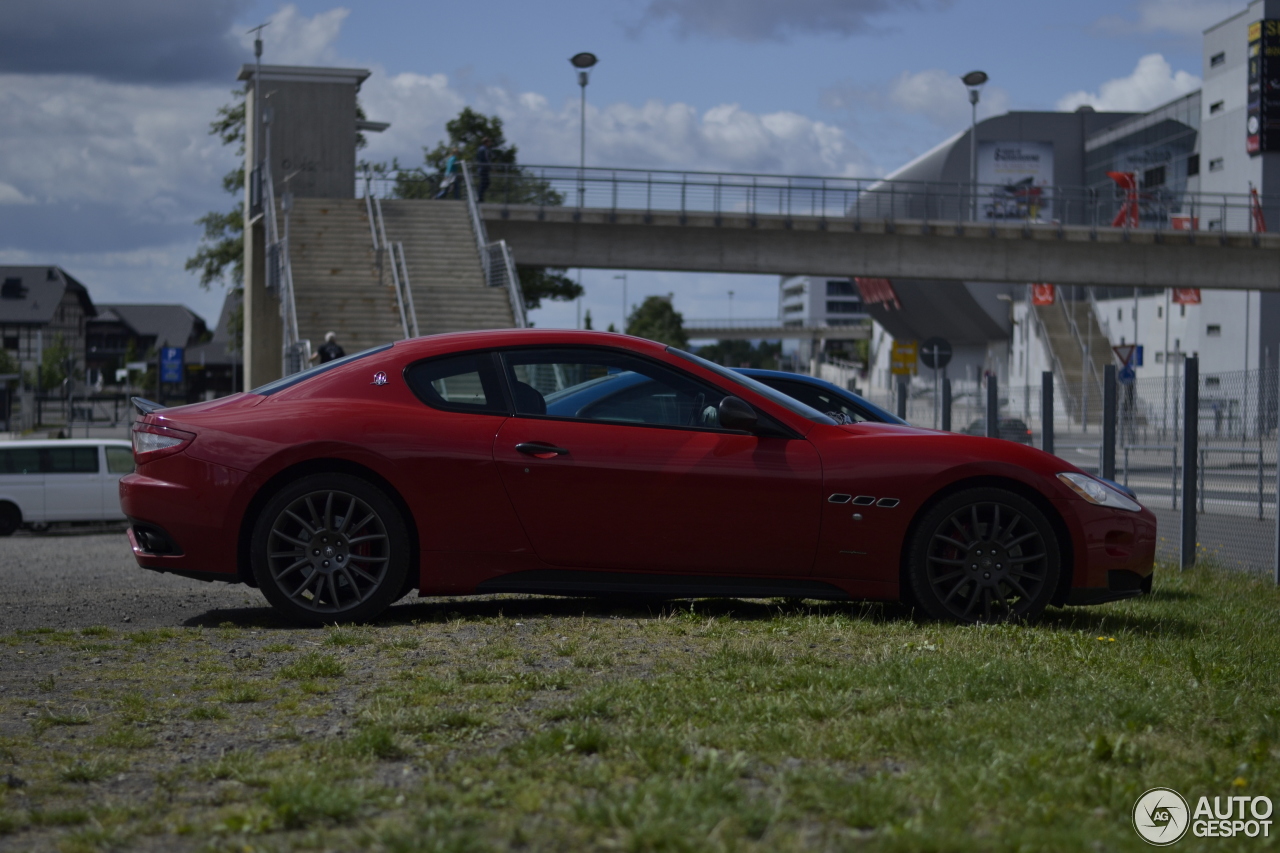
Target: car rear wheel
x,y
330,548
984,555
10,519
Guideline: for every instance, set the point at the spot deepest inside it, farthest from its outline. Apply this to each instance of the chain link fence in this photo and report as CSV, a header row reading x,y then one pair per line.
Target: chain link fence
x,y
1233,463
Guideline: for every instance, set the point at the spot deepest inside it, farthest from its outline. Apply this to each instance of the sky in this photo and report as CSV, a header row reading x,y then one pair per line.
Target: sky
x,y
106,160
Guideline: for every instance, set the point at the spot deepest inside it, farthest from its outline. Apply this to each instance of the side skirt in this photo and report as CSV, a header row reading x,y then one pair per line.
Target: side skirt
x,y
588,583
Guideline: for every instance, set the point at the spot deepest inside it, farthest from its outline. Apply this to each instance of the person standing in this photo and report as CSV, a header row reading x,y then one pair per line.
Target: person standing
x,y
484,157
330,350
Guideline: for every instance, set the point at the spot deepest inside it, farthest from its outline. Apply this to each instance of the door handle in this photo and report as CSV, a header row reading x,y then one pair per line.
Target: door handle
x,y
541,451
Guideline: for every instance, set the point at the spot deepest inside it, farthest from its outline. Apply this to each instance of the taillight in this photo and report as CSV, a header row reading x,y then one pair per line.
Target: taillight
x,y
153,441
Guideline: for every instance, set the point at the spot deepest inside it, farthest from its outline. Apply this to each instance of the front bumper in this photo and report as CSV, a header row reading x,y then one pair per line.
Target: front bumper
x,y
1120,585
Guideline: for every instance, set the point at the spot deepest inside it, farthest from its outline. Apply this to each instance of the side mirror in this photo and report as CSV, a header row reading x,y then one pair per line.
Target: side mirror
x,y
736,414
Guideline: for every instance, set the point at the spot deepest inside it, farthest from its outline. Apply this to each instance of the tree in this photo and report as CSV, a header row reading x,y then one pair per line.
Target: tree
x,y
658,320
222,246
743,354
57,362
509,183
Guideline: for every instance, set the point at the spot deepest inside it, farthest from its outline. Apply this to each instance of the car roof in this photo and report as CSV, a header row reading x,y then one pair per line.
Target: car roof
x,y
758,372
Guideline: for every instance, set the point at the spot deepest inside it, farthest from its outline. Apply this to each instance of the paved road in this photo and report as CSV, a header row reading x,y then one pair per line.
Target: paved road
x,y
74,580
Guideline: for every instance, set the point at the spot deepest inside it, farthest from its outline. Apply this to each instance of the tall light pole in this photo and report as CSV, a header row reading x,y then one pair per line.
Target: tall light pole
x,y
730,306
975,81
583,62
623,276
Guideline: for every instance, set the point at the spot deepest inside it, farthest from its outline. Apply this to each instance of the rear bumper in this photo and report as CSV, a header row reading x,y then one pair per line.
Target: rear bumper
x,y
181,517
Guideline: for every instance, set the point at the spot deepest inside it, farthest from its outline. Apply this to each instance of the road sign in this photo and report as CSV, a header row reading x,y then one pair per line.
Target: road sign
x,y
1137,357
1126,374
1042,294
902,358
1125,352
171,364
935,353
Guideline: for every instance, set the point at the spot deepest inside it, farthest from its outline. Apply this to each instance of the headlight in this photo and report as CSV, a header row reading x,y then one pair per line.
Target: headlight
x,y
1099,493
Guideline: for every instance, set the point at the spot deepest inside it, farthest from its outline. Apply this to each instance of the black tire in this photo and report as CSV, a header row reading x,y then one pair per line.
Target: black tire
x,y
984,555
10,519
330,548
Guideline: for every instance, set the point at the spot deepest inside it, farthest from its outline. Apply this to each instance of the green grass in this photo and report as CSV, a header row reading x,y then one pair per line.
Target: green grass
x,y
721,725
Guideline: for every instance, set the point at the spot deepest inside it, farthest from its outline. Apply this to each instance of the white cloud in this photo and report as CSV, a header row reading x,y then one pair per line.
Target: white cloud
x,y
650,135
9,194
934,94
1176,17
294,39
1152,83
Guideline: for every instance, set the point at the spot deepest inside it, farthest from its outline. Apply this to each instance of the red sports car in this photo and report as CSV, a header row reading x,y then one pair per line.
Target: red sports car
x,y
588,463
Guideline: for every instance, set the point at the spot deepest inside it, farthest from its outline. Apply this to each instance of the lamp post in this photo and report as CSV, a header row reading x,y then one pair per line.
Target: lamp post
x,y
731,307
975,81
583,62
623,276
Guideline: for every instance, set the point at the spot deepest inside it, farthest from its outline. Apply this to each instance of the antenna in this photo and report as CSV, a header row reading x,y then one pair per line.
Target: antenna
x,y
257,38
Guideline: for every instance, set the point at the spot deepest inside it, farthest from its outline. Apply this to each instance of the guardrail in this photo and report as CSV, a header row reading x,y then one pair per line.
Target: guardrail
x,y
1164,208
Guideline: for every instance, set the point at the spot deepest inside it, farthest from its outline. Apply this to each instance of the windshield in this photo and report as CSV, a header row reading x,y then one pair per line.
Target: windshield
x,y
789,403
294,378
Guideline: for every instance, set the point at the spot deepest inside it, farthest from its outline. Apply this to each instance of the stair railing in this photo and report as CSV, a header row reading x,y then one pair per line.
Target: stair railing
x,y
496,261
1058,370
391,256
408,291
1086,361
295,353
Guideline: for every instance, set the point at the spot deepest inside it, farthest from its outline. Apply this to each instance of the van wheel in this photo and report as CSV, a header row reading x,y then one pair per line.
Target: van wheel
x,y
10,519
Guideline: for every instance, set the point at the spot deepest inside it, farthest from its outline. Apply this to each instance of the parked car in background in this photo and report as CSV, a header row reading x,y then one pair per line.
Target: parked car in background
x,y
1011,429
822,395
48,482
543,461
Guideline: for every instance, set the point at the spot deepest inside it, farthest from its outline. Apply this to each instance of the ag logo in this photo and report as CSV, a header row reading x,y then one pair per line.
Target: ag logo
x,y
379,378
1161,816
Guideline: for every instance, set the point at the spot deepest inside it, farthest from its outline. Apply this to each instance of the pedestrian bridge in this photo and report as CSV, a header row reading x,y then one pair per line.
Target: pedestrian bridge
x,y
736,223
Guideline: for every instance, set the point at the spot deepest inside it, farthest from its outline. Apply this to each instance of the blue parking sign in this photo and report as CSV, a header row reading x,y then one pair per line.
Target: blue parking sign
x,y
171,364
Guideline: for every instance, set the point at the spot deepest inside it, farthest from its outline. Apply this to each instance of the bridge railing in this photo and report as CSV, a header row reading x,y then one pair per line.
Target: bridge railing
x,y
650,191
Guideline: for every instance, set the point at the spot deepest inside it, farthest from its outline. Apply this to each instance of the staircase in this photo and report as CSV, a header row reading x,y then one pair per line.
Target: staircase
x,y
342,285
443,265
335,276
1083,386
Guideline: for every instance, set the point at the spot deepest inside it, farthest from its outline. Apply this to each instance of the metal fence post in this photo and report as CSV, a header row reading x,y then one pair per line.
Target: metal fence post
x,y
993,406
1109,422
946,404
1190,457
1046,411
902,399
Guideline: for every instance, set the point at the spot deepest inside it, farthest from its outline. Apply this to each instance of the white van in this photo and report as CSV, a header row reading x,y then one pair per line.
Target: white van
x,y
42,482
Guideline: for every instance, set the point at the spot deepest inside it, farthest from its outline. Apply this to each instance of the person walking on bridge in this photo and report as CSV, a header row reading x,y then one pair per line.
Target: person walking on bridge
x,y
449,181
484,157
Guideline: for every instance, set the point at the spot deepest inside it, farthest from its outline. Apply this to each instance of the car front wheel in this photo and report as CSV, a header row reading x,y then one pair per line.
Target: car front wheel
x,y
984,555
330,548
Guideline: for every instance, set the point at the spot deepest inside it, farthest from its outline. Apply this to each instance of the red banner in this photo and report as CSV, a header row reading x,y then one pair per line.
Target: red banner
x,y
1186,296
878,291
1042,294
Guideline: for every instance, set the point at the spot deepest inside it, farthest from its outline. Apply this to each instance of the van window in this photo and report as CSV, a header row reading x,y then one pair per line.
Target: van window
x,y
20,460
70,460
119,460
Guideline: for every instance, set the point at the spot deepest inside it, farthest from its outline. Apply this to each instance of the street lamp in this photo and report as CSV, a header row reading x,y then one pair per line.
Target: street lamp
x,y
583,62
730,306
975,81
623,276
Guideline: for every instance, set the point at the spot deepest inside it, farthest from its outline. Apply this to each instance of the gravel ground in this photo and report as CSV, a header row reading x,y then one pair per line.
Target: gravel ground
x,y
78,579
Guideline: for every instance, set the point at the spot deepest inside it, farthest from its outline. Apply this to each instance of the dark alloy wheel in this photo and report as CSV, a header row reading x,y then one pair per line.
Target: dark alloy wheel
x,y
330,548
984,555
10,519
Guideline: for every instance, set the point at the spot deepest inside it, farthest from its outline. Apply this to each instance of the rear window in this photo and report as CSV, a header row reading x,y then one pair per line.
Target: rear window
x,y
119,460
463,383
294,378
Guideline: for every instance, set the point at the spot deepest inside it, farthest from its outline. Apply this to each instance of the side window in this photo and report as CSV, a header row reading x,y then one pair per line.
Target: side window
x,y
119,460
20,460
605,385
460,383
71,460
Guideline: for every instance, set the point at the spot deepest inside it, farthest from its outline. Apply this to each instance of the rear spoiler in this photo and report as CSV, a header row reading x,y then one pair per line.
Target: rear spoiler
x,y
146,407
